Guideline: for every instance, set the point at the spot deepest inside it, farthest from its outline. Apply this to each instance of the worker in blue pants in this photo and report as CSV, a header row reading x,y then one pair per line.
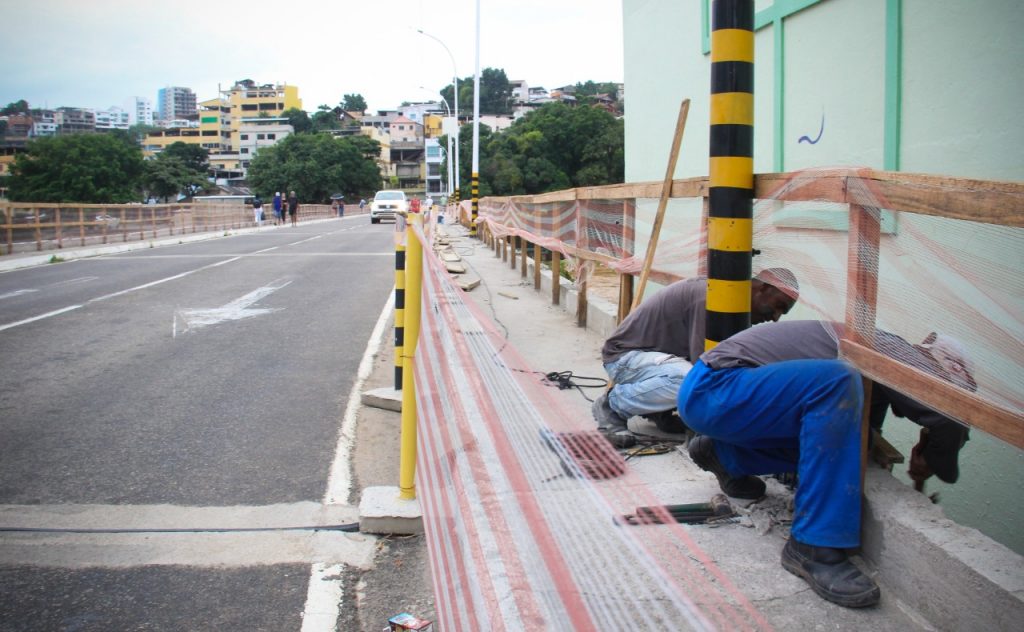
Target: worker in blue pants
x,y
759,413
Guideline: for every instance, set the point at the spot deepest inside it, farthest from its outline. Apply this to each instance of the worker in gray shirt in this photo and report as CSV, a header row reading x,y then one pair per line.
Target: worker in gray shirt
x,y
775,398
651,351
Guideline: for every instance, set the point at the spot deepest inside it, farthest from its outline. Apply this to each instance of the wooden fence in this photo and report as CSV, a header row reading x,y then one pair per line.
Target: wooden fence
x,y
864,191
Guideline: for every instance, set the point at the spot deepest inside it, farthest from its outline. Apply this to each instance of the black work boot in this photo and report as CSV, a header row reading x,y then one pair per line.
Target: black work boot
x,y
831,574
611,424
702,451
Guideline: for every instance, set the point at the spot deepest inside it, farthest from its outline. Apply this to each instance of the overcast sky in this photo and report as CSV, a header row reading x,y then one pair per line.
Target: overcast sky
x,y
97,54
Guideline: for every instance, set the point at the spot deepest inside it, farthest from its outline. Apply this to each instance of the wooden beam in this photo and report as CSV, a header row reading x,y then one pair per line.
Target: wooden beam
x,y
936,393
556,277
536,266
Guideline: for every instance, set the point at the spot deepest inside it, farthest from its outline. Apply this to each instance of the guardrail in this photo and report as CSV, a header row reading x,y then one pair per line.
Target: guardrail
x,y
46,226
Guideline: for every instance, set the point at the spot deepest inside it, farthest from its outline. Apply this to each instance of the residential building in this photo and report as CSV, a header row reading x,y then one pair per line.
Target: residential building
x,y
432,125
140,111
407,152
44,123
74,120
112,118
433,159
497,122
520,91
537,94
257,133
175,102
248,100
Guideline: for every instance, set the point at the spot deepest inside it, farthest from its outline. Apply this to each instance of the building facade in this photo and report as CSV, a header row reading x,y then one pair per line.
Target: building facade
x,y
176,102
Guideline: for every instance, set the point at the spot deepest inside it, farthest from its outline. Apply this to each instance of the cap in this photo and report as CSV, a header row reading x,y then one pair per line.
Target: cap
x,y
781,279
951,354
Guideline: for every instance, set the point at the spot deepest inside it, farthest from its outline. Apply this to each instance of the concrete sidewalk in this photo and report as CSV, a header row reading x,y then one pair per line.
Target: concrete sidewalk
x,y
934,574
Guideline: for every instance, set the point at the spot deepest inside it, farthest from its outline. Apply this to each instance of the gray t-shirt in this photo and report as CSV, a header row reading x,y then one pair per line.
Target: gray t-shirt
x,y
672,321
770,342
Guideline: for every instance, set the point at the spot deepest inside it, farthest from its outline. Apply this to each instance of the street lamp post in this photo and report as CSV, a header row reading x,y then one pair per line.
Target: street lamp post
x,y
449,154
455,88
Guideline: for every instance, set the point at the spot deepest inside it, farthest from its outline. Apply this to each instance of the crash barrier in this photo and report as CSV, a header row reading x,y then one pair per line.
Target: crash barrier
x,y
34,227
518,494
910,254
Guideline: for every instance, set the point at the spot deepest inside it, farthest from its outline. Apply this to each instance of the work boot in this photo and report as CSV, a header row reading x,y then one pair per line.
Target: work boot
x,y
831,574
668,422
611,424
702,451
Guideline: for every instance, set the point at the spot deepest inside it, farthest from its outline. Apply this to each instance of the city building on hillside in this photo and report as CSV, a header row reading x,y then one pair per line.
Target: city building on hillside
x,y
74,120
382,120
174,102
44,123
407,152
140,111
433,158
537,94
432,125
112,118
497,122
248,100
520,91
257,133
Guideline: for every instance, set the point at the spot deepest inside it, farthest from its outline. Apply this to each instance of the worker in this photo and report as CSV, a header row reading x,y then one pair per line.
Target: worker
x,y
775,398
651,351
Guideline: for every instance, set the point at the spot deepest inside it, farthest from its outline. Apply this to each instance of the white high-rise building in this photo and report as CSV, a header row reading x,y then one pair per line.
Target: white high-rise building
x,y
140,110
112,118
174,102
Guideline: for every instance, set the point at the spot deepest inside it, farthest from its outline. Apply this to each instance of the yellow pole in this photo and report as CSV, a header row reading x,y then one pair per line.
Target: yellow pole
x,y
413,285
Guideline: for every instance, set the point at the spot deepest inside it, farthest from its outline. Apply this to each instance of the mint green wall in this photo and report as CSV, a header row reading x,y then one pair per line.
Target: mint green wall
x,y
930,86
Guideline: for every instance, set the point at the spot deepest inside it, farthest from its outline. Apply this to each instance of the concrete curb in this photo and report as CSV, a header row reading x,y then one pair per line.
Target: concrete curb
x,y
381,511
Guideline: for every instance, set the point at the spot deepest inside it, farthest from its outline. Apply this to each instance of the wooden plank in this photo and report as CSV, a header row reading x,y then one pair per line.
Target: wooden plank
x,y
987,201
536,266
625,296
581,304
523,244
938,394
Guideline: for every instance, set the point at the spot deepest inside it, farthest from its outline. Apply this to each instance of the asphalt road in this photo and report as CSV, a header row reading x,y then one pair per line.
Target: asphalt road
x,y
186,383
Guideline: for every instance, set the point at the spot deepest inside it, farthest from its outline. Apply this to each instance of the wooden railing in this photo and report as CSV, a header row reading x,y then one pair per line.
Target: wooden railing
x,y
865,191
42,226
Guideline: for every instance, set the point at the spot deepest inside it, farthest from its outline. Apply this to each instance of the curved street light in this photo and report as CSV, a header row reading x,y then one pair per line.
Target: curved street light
x,y
455,89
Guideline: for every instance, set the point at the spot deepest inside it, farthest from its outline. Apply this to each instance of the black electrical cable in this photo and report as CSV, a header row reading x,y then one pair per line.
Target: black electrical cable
x,y
565,380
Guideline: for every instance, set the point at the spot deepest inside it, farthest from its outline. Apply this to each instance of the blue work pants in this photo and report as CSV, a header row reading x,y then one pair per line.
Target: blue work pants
x,y
645,382
799,415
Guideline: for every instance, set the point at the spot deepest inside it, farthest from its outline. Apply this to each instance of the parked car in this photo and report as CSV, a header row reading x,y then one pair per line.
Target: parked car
x,y
386,205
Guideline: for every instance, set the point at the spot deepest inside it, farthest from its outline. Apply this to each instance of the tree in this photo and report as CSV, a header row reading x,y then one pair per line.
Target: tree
x,y
353,103
299,120
196,158
495,93
139,131
554,147
324,119
88,168
17,107
315,166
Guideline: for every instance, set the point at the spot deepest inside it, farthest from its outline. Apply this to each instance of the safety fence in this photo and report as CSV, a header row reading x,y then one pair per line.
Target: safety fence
x,y
35,227
906,253
518,494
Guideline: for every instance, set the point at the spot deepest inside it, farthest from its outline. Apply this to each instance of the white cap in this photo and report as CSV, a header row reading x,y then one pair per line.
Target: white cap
x,y
951,354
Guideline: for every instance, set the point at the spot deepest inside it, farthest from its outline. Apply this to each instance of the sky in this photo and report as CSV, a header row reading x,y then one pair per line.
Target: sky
x,y
98,54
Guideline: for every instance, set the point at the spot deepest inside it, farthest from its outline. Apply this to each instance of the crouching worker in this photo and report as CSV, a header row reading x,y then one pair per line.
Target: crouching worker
x,y
651,351
775,398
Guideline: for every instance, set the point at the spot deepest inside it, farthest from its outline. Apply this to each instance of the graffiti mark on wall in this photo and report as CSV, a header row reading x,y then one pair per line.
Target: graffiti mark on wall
x,y
807,139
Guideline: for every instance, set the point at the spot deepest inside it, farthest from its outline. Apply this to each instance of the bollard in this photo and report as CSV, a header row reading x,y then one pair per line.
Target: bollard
x,y
731,173
475,190
413,284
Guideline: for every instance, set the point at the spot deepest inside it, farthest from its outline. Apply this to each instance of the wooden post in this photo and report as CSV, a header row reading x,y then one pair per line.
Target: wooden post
x,y
124,225
516,242
666,192
702,256
536,266
152,219
581,304
556,276
58,228
39,231
625,296
862,299
9,220
81,225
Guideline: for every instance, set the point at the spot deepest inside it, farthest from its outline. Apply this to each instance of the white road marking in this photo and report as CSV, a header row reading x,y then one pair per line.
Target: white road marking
x,y
72,281
265,250
296,243
16,293
323,598
237,309
39,317
339,481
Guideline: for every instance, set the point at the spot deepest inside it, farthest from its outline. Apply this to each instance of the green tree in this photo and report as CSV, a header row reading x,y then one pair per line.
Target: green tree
x,y
315,166
353,103
196,158
299,120
495,93
89,168
17,107
324,119
138,131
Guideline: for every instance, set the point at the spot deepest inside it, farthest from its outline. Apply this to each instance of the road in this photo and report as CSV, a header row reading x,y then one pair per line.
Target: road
x,y
168,415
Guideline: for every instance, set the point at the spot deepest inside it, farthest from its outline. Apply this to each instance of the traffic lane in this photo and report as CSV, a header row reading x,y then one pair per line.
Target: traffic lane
x,y
33,292
126,402
154,598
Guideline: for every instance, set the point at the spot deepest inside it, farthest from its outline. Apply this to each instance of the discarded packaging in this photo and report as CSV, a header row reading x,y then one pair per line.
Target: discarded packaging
x,y
405,621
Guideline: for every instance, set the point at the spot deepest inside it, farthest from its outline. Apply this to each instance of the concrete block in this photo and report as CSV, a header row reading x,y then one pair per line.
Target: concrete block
x,y
386,398
467,284
947,572
455,268
382,511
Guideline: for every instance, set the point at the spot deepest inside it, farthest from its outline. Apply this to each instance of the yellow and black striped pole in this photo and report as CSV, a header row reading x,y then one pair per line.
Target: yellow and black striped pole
x,y
475,190
399,311
731,181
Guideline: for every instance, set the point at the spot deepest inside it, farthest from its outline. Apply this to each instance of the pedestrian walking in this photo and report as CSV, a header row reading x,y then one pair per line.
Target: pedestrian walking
x,y
257,211
293,208
362,204
278,214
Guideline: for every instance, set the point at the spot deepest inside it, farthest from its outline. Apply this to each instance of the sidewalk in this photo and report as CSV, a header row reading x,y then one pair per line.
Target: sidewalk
x,y
933,573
